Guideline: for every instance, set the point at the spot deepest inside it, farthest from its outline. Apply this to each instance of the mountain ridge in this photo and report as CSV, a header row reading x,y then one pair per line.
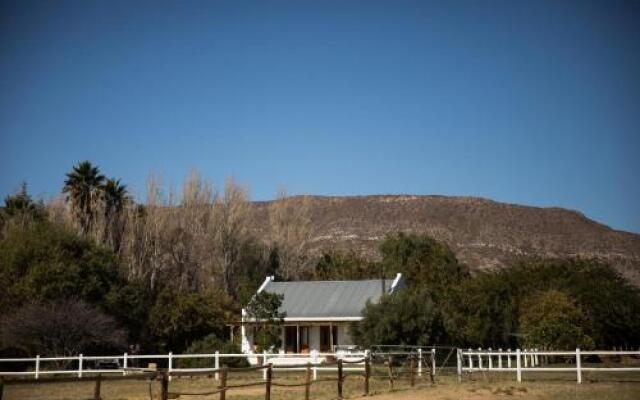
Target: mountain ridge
x,y
484,233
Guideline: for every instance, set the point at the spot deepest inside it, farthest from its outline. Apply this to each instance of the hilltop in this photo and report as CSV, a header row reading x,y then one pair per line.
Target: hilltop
x,y
485,234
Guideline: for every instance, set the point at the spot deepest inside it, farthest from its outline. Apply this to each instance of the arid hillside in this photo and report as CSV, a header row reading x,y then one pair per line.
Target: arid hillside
x,y
483,233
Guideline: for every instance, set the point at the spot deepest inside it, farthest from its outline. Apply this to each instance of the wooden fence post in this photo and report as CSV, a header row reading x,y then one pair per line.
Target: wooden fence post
x,y
307,387
37,366
267,392
420,362
164,386
390,373
340,379
223,383
96,390
412,379
80,366
1,386
216,364
367,374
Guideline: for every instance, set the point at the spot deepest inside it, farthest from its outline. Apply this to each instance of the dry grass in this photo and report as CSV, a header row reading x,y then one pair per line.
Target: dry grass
x,y
476,387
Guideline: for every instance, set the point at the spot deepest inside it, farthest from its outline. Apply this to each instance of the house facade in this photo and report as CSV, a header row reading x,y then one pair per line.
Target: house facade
x,y
318,314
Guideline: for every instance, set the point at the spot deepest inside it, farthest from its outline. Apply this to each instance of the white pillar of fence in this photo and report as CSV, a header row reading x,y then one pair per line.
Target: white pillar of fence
x,y
490,359
420,362
459,363
216,364
37,373
518,368
509,358
533,361
170,364
525,357
125,364
536,357
470,361
314,360
578,365
479,358
80,366
264,363
500,358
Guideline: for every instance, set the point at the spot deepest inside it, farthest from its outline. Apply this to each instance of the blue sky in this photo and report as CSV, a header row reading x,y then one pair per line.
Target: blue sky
x,y
532,102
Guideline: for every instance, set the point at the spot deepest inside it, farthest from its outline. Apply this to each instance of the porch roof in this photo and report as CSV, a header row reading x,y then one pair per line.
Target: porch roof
x,y
328,300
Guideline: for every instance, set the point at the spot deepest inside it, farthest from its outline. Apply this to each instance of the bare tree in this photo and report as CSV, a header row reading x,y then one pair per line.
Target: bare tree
x,y
231,231
65,328
291,230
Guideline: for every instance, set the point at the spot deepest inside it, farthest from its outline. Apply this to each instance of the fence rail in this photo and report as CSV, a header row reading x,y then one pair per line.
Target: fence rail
x,y
533,360
400,366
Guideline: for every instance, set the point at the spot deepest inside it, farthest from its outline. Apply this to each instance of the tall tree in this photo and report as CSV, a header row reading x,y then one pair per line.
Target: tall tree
x,y
83,185
114,200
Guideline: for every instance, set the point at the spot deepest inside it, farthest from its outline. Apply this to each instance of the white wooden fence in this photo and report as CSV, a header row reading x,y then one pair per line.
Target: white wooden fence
x,y
82,364
530,360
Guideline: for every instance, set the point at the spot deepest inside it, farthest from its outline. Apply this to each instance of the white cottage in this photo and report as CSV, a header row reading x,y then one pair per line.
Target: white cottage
x,y
319,313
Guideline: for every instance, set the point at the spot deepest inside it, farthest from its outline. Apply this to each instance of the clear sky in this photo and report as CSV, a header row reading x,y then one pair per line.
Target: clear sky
x,y
531,102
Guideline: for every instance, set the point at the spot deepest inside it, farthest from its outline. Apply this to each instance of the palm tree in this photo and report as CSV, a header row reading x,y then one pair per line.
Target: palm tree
x,y
114,200
82,186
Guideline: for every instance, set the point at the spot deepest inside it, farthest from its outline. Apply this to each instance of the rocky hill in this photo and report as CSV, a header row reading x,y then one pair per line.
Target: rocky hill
x,y
483,233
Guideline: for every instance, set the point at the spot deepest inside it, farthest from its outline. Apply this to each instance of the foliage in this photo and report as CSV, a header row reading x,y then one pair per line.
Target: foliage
x,y
208,345
41,261
489,305
83,186
263,310
552,320
345,266
178,319
404,318
63,328
423,261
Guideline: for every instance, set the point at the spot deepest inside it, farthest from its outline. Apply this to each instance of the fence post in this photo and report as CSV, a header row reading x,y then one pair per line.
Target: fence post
x,y
164,386
525,355
170,364
432,370
314,360
490,360
37,366
479,358
80,366
1,386
340,379
470,361
390,373
509,358
578,365
216,365
264,362
420,362
459,364
125,364
223,383
536,357
96,390
518,369
267,386
367,374
307,383
500,358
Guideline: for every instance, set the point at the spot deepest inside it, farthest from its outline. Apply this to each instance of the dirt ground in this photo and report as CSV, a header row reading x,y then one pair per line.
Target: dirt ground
x,y
480,387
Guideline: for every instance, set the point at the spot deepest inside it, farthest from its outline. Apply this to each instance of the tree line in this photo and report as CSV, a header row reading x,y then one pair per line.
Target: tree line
x,y
106,272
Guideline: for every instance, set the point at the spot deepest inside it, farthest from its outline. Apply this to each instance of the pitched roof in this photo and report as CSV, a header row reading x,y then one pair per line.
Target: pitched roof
x,y
330,300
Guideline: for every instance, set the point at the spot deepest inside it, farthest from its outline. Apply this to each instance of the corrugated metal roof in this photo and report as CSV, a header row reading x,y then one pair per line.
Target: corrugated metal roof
x,y
327,299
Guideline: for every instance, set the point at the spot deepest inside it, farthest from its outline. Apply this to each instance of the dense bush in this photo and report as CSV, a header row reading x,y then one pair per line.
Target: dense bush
x,y
209,345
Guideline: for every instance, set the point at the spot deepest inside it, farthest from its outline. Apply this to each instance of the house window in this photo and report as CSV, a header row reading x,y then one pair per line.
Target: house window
x,y
290,339
328,337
